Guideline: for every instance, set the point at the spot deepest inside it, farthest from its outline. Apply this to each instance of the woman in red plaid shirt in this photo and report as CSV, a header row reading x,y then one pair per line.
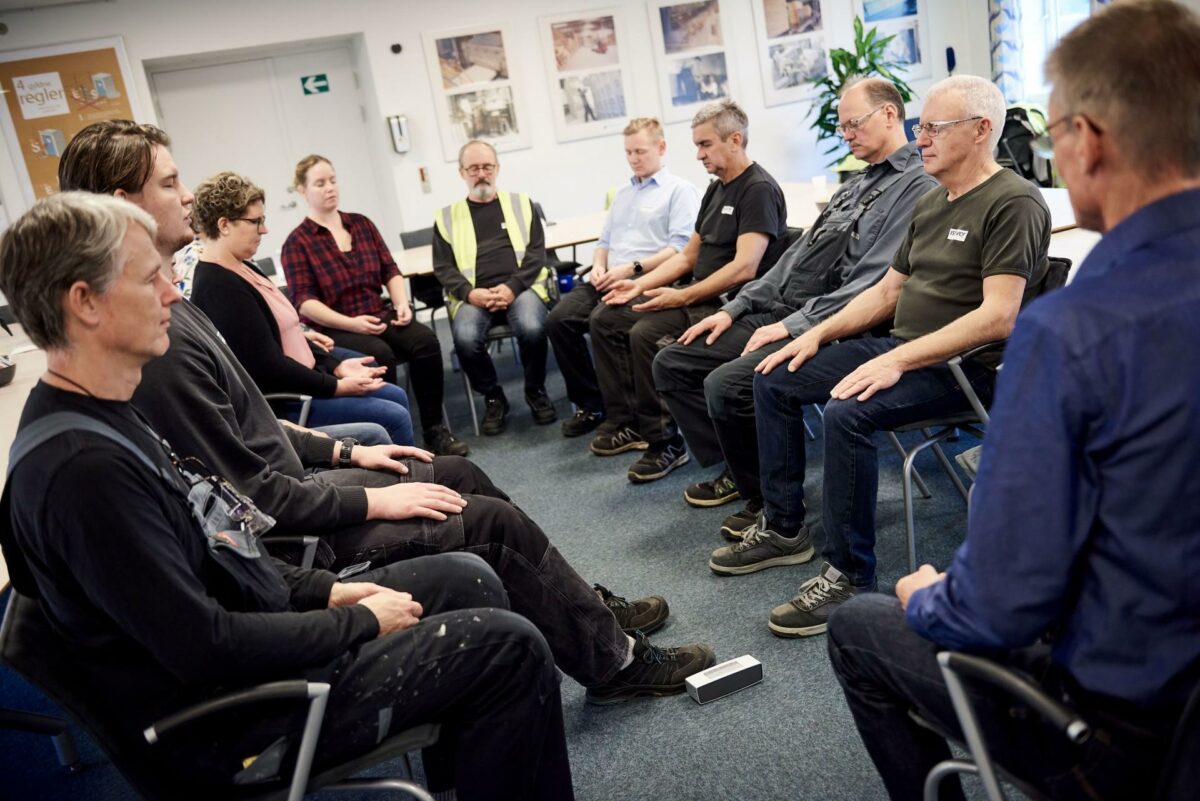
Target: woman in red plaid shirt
x,y
336,263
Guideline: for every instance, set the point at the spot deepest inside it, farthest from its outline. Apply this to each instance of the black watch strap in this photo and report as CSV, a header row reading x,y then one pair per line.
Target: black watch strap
x,y
638,268
347,448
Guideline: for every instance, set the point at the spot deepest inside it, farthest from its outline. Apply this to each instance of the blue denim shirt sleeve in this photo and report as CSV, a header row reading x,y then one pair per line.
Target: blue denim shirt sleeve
x,y
1011,579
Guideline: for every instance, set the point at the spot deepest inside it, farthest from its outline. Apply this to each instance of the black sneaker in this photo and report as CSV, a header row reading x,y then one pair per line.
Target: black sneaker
x,y
660,459
759,549
719,491
617,440
645,614
441,442
581,423
735,526
655,671
495,418
808,613
541,407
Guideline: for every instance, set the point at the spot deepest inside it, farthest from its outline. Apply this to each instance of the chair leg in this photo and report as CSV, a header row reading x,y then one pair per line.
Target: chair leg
x,y
941,770
950,471
910,528
370,785
899,448
471,402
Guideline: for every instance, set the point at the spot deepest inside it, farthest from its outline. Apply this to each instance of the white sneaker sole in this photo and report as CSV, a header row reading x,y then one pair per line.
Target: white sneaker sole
x,y
776,561
791,632
707,502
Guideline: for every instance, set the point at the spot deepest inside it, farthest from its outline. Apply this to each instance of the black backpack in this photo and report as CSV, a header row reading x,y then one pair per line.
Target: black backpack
x,y
1022,124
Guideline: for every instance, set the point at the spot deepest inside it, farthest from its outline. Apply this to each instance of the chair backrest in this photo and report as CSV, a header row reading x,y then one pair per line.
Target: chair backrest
x,y
33,649
417,238
266,265
1056,275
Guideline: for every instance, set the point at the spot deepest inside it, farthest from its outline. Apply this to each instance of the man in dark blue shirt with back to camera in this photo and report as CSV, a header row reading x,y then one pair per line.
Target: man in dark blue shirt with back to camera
x,y
1083,545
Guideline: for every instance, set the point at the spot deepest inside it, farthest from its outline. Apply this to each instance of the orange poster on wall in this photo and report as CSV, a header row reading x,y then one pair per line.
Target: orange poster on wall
x,y
52,93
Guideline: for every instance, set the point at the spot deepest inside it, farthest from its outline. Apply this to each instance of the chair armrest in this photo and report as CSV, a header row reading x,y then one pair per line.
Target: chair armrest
x,y
306,542
995,346
1059,716
296,689
305,402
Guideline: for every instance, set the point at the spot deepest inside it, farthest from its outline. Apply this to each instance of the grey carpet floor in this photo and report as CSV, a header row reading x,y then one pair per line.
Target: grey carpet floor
x,y
789,738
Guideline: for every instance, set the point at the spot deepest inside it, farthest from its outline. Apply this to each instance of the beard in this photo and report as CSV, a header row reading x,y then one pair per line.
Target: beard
x,y
483,191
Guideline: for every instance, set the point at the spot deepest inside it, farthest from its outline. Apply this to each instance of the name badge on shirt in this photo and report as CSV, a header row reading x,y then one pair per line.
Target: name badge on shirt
x,y
958,234
727,209
503,226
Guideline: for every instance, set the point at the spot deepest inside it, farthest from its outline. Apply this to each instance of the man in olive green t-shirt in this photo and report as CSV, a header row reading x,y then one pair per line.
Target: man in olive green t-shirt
x,y
975,248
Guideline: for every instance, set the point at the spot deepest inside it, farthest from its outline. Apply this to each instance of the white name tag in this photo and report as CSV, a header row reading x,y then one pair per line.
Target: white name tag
x,y
958,234
727,210
503,226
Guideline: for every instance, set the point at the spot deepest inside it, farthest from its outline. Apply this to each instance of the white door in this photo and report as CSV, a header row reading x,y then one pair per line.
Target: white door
x,y
253,117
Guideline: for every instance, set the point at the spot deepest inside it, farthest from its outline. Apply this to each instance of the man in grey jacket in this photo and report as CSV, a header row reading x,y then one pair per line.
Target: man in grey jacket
x,y
707,376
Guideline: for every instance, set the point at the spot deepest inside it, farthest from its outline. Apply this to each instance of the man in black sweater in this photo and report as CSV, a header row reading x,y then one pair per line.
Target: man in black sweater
x,y
387,502
163,604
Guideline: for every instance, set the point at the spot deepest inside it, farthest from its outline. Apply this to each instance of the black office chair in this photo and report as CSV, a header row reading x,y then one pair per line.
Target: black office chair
x,y
1177,782
31,647
935,431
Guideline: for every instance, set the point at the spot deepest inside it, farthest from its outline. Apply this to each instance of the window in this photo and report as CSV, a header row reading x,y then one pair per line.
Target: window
x,y
1043,23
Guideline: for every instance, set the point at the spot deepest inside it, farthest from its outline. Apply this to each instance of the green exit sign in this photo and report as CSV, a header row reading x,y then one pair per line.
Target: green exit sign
x,y
315,84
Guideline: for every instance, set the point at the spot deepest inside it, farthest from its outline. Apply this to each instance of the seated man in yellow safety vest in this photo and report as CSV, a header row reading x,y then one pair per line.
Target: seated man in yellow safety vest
x,y
489,254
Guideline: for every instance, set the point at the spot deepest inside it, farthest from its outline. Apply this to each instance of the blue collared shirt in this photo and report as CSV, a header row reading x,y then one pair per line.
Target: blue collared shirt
x,y
647,216
1085,521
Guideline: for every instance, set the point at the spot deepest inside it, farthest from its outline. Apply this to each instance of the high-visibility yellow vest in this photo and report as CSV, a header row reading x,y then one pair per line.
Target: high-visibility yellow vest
x,y
609,197
454,224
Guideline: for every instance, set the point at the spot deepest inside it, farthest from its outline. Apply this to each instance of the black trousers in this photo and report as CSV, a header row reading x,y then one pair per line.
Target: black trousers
x,y
566,327
586,639
625,344
886,669
414,345
709,390
484,673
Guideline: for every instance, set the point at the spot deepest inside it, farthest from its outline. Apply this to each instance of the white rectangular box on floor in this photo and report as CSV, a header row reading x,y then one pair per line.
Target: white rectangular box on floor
x,y
723,679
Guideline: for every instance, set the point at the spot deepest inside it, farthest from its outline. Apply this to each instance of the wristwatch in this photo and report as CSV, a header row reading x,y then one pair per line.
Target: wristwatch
x,y
638,268
348,444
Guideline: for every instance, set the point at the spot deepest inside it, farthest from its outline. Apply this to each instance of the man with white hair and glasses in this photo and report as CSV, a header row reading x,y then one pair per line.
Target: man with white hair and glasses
x,y
975,250
1080,561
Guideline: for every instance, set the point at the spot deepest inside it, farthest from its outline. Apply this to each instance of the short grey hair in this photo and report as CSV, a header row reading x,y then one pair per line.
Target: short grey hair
x,y
67,237
727,118
1134,68
488,145
980,97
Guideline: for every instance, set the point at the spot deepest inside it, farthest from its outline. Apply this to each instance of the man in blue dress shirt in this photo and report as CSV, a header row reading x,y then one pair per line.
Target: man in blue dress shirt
x,y
650,220
1083,544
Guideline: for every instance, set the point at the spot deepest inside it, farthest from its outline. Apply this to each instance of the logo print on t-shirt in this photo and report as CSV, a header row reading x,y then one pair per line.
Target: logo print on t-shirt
x,y
727,209
958,234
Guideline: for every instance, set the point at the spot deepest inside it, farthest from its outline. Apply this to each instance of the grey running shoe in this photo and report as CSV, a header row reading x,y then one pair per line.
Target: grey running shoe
x,y
809,611
655,671
720,490
659,459
644,615
759,549
735,526
617,440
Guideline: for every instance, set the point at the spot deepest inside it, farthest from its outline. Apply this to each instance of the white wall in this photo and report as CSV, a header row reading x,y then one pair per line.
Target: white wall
x,y
568,179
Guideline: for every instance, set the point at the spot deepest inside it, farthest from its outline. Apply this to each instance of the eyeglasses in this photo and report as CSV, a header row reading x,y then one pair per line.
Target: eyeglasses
x,y
1043,145
257,222
934,129
853,124
477,169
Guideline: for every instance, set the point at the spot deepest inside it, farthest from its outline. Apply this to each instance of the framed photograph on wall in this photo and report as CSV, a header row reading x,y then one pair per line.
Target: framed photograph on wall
x,y
52,93
902,19
791,48
470,72
589,80
689,46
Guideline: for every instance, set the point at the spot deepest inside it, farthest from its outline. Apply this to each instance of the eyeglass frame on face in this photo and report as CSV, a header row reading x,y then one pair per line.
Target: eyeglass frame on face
x,y
855,123
1043,144
935,127
257,222
481,169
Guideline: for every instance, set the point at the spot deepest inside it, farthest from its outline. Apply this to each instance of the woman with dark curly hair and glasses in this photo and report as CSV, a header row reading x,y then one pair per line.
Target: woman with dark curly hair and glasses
x,y
336,263
263,330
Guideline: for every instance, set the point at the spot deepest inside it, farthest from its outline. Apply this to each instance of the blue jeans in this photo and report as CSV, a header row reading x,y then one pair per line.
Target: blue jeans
x,y
387,406
886,669
364,433
851,475
527,316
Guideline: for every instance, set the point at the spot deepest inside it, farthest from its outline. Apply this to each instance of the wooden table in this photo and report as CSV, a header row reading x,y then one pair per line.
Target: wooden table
x,y
566,233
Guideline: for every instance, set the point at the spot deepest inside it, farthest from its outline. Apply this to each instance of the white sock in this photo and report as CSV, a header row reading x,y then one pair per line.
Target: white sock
x,y
628,654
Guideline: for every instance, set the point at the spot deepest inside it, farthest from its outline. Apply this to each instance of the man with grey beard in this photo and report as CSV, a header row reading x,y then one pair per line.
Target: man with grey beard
x,y
489,254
